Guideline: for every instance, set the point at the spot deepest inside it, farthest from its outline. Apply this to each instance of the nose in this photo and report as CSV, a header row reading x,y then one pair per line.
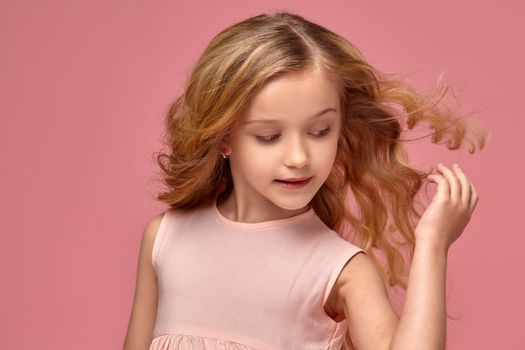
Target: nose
x,y
296,153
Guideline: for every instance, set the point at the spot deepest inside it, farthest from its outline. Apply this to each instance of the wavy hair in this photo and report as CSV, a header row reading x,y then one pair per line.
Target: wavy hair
x,y
371,164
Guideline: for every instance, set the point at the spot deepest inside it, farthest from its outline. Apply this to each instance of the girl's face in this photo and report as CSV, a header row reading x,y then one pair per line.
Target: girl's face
x,y
290,130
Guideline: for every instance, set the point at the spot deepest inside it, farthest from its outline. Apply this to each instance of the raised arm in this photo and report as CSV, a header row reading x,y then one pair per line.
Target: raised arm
x,y
372,322
423,325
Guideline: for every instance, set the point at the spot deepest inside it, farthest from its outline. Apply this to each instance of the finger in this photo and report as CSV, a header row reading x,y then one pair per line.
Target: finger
x,y
473,198
466,191
443,188
453,182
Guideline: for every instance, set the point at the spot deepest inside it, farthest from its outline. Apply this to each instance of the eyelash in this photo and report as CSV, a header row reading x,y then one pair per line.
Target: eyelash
x,y
264,139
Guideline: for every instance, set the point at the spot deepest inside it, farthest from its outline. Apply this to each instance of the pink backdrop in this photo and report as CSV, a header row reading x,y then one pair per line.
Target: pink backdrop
x,y
84,87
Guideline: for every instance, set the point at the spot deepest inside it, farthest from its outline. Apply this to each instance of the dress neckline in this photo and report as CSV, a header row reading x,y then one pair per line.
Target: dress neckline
x,y
262,224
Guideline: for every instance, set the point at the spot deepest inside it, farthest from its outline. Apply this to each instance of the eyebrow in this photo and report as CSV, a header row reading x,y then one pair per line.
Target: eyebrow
x,y
318,114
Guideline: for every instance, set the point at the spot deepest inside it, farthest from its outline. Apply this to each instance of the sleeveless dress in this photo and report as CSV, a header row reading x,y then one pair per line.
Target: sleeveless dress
x,y
230,285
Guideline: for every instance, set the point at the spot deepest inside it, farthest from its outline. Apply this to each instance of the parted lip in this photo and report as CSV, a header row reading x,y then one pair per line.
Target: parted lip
x,y
295,179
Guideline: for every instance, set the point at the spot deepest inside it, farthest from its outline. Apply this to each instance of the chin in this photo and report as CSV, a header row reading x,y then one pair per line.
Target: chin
x,y
293,203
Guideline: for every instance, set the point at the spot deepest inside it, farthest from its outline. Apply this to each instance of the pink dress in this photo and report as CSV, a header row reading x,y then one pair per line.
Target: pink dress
x,y
230,285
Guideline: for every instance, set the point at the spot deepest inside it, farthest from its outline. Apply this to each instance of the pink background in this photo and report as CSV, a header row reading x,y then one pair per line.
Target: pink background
x,y
84,86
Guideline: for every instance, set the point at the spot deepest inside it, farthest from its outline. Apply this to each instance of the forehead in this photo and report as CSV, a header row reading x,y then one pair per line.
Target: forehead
x,y
294,95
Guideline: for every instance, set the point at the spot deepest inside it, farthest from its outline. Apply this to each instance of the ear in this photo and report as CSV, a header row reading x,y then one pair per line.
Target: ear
x,y
225,147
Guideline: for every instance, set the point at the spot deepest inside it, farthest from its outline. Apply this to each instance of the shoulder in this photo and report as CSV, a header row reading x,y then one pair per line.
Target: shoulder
x,y
359,272
362,297
149,233
150,229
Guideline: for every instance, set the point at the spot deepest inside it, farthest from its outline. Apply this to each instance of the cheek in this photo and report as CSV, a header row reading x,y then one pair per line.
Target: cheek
x,y
327,156
255,160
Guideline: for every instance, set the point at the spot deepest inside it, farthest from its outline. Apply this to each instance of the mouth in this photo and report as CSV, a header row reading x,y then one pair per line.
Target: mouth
x,y
295,181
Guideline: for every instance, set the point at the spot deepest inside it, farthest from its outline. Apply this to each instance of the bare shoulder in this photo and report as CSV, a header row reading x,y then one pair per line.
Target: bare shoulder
x,y
150,230
359,269
362,297
144,310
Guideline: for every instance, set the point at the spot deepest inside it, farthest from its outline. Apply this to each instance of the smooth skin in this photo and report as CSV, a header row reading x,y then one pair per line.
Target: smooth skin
x,y
142,320
289,130
360,293
300,147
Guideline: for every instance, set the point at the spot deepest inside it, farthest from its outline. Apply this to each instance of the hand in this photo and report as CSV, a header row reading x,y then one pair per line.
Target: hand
x,y
450,210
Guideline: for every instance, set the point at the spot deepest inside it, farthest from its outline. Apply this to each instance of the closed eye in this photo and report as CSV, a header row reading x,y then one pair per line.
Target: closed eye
x,y
271,138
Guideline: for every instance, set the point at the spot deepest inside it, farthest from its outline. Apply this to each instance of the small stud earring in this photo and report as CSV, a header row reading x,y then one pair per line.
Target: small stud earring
x,y
224,156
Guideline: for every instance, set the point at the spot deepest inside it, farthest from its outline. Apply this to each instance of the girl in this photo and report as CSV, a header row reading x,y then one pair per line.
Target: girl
x,y
280,121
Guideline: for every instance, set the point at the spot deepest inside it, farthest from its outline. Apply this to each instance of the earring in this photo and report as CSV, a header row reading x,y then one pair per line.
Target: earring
x,y
224,156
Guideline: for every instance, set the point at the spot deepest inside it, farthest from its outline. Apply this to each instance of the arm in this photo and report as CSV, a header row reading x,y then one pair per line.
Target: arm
x,y
372,322
422,325
143,314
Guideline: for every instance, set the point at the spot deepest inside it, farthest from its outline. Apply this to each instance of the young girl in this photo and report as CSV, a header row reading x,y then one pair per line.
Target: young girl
x,y
280,121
